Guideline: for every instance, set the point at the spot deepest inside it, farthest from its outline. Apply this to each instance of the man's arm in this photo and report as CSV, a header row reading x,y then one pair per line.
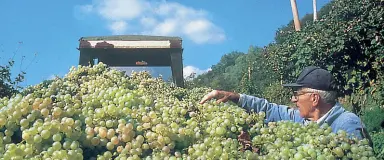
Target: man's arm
x,y
274,112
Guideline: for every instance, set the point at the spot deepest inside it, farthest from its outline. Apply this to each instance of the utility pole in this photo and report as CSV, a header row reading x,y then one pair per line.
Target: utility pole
x,y
295,15
314,11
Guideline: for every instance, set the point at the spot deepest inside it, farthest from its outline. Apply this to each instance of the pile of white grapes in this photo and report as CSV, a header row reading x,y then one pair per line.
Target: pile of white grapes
x,y
100,113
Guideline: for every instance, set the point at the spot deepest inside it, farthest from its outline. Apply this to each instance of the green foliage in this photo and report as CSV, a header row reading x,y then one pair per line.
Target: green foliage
x,y
372,118
227,69
346,41
378,144
8,85
284,31
276,93
249,73
256,75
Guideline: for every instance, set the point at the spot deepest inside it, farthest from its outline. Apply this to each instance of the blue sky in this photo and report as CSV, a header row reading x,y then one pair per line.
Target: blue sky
x,y
46,32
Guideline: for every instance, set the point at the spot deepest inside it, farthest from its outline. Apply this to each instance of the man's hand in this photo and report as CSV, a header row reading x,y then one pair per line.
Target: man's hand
x,y
221,96
245,139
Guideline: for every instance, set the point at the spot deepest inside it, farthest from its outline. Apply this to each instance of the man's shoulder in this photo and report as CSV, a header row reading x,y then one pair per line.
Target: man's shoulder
x,y
350,115
348,118
341,116
352,124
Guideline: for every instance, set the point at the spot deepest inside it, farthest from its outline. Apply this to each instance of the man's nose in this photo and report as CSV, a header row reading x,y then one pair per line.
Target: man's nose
x,y
293,99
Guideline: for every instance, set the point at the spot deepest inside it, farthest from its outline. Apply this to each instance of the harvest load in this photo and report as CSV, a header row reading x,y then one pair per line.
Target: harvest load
x,y
100,113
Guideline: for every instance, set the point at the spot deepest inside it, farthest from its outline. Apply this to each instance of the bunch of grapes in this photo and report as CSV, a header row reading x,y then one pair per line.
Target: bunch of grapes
x,y
100,113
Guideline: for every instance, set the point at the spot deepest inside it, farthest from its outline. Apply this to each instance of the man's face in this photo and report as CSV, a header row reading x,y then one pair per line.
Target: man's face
x,y
304,101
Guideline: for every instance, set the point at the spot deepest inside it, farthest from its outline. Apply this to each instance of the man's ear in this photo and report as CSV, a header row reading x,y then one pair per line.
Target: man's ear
x,y
315,99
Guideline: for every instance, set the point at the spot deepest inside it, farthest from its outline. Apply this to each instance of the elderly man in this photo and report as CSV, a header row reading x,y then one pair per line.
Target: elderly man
x,y
315,98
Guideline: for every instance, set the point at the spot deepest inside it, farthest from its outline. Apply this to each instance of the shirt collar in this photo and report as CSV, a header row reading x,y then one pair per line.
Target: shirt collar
x,y
322,119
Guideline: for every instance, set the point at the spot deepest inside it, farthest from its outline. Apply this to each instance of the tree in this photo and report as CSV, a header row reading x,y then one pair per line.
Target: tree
x,y
9,85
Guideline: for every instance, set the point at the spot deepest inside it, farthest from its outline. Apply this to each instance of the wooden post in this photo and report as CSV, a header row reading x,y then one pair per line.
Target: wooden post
x,y
295,15
177,68
85,59
249,73
314,11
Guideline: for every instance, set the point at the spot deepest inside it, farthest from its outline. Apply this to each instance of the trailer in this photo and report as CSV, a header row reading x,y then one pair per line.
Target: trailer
x,y
135,53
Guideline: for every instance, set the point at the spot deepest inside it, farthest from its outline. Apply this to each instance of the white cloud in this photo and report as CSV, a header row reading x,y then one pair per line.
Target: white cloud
x,y
148,22
201,31
120,9
155,18
118,27
188,70
167,27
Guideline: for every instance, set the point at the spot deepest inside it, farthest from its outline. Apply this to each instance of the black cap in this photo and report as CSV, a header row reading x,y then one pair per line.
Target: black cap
x,y
315,78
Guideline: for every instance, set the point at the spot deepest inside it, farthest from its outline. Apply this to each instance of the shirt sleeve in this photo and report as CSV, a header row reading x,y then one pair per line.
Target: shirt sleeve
x,y
273,112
